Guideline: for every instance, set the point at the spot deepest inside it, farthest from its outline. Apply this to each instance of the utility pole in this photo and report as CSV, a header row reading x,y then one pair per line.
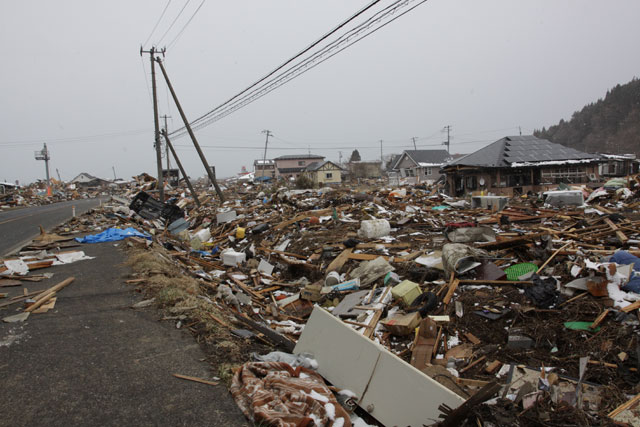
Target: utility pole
x,y
264,157
44,155
340,157
520,129
414,142
152,53
184,173
58,173
113,168
167,148
380,152
210,171
448,141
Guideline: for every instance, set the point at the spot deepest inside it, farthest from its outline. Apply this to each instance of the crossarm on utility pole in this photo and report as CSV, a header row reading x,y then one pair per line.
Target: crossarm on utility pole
x,y
184,173
191,134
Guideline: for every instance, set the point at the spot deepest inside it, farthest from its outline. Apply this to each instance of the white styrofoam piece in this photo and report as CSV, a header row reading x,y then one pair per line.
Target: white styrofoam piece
x,y
398,393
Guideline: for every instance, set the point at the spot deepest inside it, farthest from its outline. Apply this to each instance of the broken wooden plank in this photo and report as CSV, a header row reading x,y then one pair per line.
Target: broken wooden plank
x,y
599,319
195,379
621,236
452,288
474,340
624,406
338,262
49,293
472,364
631,307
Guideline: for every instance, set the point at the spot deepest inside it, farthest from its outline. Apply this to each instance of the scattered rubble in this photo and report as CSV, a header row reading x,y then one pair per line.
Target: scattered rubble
x,y
510,311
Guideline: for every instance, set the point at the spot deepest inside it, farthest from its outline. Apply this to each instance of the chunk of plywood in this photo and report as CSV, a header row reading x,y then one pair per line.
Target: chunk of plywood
x,y
394,392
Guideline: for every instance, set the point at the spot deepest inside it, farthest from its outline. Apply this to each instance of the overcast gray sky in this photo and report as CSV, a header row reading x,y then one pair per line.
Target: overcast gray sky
x,y
72,76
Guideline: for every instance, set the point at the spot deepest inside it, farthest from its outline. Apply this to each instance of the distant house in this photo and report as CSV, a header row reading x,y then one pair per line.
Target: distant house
x,y
516,165
291,166
323,173
421,165
86,180
7,186
266,168
616,165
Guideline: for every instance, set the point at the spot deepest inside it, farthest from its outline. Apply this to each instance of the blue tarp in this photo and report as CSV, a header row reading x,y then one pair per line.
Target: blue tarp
x,y
112,235
625,258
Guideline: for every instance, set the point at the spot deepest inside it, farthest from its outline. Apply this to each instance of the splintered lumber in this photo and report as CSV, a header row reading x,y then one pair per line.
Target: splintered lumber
x,y
599,319
574,298
195,379
269,333
631,307
623,238
48,294
338,262
371,327
9,282
452,288
624,406
472,364
456,417
553,255
246,288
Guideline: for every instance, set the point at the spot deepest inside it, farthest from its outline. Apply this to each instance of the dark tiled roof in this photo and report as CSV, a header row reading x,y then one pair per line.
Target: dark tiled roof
x,y
317,165
428,156
521,149
299,156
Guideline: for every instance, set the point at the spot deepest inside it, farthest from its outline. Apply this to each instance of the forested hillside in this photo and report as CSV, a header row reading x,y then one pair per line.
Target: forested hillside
x,y
610,125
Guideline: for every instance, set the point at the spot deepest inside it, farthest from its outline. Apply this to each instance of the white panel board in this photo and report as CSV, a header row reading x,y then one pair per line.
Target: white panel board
x,y
398,393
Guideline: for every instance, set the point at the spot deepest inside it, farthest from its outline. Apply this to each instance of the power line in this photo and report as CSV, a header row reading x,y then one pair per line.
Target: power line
x,y
175,39
146,79
173,22
156,26
306,64
288,61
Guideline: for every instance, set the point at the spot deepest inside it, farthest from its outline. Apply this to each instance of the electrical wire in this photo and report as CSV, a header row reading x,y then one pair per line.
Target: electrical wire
x,y
302,52
175,39
244,95
146,79
304,65
156,26
173,23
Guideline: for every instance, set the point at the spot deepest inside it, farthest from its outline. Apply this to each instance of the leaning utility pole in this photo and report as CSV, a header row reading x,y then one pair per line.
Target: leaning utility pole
x,y
264,157
167,148
179,163
152,53
209,170
44,155
448,141
58,172
414,142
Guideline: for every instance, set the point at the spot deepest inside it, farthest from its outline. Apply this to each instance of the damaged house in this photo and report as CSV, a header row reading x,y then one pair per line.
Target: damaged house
x,y
421,165
293,165
516,165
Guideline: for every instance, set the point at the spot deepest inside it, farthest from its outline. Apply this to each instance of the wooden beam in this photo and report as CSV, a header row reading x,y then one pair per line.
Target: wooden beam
x,y
338,262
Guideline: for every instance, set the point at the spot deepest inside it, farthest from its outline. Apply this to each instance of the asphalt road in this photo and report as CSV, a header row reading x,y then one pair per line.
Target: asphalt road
x,y
18,226
93,360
